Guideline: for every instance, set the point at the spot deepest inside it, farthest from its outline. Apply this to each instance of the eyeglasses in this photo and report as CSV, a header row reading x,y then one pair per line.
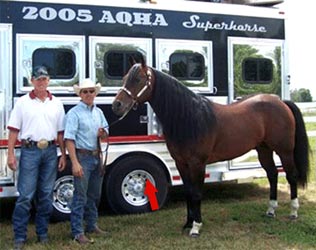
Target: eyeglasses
x,y
91,91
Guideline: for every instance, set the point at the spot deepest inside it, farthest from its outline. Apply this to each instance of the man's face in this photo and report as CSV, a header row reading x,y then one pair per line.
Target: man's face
x,y
88,95
41,83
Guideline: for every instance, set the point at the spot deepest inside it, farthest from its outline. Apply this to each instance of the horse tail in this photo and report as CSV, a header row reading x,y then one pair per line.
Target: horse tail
x,y
301,148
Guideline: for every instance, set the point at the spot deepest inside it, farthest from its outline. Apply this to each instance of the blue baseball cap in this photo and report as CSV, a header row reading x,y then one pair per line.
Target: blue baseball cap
x,y
39,72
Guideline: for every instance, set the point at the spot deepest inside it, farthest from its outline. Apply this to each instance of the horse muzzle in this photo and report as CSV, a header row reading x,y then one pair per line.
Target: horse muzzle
x,y
118,107
122,109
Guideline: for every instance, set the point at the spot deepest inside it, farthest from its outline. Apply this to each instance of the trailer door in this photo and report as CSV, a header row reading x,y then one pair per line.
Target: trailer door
x,y
255,66
109,60
5,74
6,175
190,61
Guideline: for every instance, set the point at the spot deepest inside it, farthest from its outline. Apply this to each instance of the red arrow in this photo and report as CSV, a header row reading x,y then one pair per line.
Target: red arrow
x,y
150,191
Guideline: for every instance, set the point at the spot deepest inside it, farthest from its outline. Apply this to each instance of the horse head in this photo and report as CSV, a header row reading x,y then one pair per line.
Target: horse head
x,y
137,88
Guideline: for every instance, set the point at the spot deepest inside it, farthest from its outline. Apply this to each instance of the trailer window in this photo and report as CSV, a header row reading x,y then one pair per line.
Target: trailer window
x,y
257,70
117,63
60,63
187,66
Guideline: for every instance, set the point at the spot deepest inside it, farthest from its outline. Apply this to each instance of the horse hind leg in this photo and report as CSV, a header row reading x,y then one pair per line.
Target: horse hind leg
x,y
265,156
291,176
294,208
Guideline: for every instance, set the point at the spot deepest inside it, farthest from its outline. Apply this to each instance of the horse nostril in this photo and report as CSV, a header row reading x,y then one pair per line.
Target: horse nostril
x,y
116,105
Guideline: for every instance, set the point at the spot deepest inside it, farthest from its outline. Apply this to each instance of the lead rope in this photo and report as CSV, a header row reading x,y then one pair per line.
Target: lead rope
x,y
134,103
105,151
102,163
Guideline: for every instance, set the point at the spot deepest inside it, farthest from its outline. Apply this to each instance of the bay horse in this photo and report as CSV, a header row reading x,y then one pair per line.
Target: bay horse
x,y
199,132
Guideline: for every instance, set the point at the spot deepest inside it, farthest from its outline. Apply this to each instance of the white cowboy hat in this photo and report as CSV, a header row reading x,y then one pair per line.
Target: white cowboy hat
x,y
87,84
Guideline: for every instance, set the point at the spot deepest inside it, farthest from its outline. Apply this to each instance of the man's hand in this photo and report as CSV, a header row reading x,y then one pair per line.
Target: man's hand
x,y
11,161
62,163
77,170
102,133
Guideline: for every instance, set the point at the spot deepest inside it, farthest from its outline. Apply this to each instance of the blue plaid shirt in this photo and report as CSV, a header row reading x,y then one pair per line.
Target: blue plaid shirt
x,y
82,123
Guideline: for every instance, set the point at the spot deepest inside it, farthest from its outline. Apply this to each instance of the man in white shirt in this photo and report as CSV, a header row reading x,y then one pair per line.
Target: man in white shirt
x,y
37,120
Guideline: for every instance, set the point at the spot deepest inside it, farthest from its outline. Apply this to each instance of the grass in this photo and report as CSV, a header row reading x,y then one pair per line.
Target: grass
x,y
309,113
310,126
233,218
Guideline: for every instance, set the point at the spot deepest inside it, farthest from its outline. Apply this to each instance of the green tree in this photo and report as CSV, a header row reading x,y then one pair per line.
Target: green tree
x,y
301,95
242,88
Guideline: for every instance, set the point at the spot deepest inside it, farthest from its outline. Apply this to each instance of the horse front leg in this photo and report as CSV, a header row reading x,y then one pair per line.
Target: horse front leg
x,y
190,217
197,222
194,218
193,191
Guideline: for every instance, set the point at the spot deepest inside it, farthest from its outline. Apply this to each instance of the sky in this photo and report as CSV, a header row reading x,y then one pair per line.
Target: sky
x,y
301,43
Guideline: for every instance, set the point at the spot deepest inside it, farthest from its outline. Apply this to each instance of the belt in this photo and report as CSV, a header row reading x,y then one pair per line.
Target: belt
x,y
88,152
42,144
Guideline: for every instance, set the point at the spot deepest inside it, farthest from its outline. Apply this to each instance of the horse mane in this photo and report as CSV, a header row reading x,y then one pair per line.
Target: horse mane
x,y
184,115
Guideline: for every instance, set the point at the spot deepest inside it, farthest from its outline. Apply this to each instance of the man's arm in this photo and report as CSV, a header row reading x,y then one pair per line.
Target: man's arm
x,y
76,167
11,160
62,161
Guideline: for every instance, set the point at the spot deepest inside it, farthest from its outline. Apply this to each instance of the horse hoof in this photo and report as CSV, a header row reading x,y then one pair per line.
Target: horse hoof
x,y
293,217
195,230
270,215
194,236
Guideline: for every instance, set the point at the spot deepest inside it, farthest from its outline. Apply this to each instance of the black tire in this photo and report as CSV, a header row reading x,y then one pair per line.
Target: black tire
x,y
62,195
124,184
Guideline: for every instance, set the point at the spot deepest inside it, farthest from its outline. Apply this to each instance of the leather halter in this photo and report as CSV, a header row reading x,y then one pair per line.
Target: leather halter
x,y
141,92
134,103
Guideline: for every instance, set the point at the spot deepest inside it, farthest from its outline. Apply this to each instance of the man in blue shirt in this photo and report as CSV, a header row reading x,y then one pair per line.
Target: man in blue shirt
x,y
84,127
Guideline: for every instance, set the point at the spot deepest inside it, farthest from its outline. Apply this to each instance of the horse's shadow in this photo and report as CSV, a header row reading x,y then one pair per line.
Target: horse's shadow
x,y
226,192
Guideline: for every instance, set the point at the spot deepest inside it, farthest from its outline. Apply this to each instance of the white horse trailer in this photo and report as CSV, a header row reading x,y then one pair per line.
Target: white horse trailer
x,y
220,50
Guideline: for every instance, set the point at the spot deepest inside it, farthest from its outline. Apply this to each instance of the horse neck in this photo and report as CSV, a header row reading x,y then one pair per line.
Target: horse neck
x,y
165,99
184,115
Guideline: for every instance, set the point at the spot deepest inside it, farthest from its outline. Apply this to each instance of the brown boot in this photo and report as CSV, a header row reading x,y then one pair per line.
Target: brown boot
x,y
99,231
82,239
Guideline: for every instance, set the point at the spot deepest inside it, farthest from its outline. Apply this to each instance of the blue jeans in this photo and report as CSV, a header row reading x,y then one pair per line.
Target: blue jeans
x,y
37,175
87,195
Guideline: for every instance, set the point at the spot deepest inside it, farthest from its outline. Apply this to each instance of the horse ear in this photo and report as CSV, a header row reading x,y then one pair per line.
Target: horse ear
x,y
143,62
131,60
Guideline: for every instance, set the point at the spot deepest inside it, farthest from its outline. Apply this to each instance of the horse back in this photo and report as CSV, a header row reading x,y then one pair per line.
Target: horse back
x,y
256,120
269,113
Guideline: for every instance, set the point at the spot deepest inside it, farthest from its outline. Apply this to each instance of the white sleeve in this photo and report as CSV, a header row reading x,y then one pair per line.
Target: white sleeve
x,y
61,118
15,121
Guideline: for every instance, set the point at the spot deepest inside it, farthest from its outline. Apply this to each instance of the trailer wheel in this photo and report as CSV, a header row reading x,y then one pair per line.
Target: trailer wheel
x,y
62,195
125,183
